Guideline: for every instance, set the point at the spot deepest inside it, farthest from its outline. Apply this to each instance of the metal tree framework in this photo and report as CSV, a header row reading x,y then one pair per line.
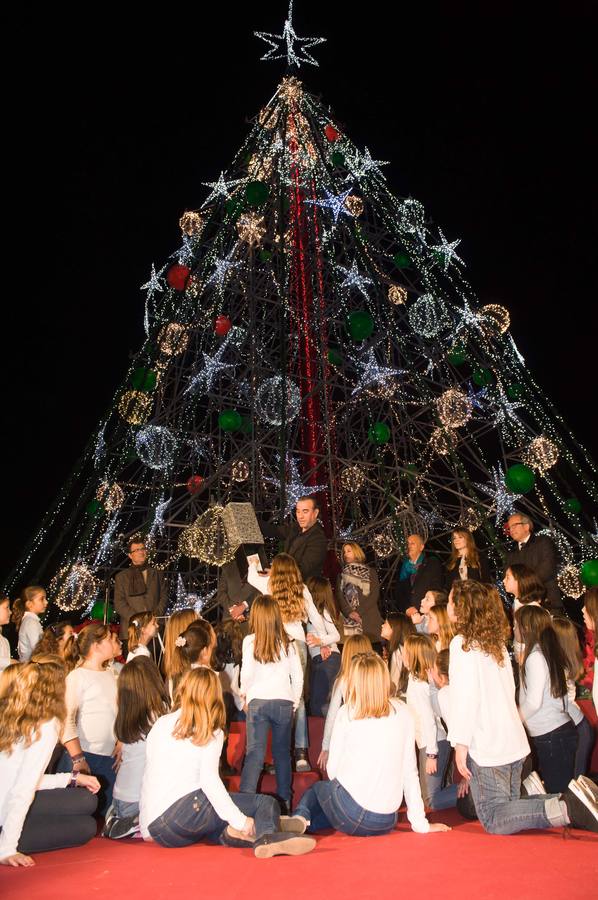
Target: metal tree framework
x,y
313,333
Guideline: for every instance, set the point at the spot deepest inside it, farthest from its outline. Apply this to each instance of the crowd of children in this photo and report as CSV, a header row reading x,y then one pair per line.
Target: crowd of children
x,y
83,735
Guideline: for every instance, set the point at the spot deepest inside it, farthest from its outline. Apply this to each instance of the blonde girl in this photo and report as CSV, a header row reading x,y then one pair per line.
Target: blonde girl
x,y
272,684
434,751
194,649
192,805
395,629
325,657
357,643
372,761
568,637
37,813
173,665
143,628
27,609
440,627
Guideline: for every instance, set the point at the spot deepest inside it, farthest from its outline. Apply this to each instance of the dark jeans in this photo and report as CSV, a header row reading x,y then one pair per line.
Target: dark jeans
x,y
58,819
101,767
193,819
263,715
323,675
555,751
328,805
585,743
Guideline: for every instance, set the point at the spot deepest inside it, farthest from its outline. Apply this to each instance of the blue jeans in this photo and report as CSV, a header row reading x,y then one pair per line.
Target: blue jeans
x,y
328,805
263,715
101,767
556,756
301,735
124,809
193,819
496,793
585,742
323,674
434,795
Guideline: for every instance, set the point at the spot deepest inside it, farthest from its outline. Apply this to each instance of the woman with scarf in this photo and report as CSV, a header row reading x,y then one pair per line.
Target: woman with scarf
x,y
357,595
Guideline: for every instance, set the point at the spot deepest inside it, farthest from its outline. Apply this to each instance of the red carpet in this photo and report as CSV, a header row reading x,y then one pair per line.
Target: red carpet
x,y
463,863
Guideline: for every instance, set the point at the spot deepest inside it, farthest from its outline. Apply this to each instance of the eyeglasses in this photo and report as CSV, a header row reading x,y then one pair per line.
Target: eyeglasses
x,y
139,550
513,524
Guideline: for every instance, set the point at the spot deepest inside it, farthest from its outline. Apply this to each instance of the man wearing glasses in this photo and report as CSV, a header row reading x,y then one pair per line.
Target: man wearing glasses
x,y
139,587
536,551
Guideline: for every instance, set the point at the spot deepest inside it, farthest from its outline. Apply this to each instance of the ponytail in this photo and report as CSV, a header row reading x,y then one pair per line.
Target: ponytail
x,y
136,625
78,649
20,605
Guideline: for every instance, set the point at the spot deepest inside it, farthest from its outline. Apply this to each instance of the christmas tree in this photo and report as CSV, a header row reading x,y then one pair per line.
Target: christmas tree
x,y
314,333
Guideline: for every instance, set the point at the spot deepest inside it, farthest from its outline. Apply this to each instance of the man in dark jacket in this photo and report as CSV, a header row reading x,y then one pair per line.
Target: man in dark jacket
x,y
538,552
419,574
138,588
304,539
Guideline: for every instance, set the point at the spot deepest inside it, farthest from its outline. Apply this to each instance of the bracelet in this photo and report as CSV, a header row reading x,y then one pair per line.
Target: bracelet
x,y
73,782
78,758
431,756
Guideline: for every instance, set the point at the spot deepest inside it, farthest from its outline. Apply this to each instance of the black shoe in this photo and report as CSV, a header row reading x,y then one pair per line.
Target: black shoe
x,y
120,828
301,761
582,811
280,844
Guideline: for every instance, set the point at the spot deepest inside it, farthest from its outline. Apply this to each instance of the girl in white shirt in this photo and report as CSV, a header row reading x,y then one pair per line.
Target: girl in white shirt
x,y
36,812
371,763
285,584
183,800
440,627
25,614
395,629
173,664
143,628
434,751
272,684
324,652
5,659
420,619
88,736
194,649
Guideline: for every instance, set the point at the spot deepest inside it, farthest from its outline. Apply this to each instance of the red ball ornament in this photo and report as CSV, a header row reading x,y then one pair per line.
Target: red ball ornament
x,y
195,484
331,133
222,325
177,277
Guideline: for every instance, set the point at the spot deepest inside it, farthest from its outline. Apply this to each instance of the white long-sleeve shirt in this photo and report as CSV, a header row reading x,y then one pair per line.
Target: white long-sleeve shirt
x,y
374,760
5,659
127,786
483,712
310,613
141,650
420,706
396,667
574,710
30,631
332,635
336,701
91,709
175,768
280,680
539,710
230,683
21,775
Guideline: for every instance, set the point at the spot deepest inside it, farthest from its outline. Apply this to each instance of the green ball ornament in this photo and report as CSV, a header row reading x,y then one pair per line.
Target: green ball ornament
x,y
514,391
379,433
265,255
589,573
361,324
144,379
230,420
338,158
401,260
256,193
572,505
483,377
457,355
94,508
334,357
97,612
520,478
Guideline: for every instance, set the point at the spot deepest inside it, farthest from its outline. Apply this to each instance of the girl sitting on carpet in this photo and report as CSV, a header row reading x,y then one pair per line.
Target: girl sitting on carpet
x,y
143,628
395,630
173,665
272,684
324,653
568,638
371,762
37,813
191,804
26,611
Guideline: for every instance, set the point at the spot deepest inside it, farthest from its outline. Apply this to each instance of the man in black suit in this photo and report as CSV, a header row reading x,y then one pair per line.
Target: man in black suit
x,y
419,573
538,552
139,587
304,539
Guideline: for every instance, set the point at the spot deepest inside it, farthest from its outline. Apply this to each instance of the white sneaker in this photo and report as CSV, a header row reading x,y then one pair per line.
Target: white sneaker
x,y
589,787
533,785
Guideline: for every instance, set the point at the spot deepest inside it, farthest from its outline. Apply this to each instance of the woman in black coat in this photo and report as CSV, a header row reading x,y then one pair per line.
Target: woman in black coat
x,y
466,561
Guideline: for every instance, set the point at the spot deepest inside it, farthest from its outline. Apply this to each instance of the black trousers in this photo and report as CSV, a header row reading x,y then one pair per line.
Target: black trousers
x,y
57,819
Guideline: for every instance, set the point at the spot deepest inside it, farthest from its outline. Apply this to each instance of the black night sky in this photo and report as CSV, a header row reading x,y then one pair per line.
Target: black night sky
x,y
487,114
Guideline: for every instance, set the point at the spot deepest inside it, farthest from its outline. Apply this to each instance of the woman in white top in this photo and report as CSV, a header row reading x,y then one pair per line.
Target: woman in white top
x,y
272,684
324,652
36,811
183,800
26,611
88,736
5,659
143,628
485,727
371,762
285,584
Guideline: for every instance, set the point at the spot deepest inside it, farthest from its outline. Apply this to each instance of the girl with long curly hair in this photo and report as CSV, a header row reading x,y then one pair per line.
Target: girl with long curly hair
x,y
37,813
56,640
466,562
485,728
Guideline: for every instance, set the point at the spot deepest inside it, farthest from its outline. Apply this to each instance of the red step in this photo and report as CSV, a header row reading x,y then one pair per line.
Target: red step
x,y
267,783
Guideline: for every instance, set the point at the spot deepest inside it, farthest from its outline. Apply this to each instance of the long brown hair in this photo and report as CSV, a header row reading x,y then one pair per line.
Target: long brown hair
x,y
590,601
137,623
142,698
77,650
368,687
202,707
286,587
34,695
446,629
568,638
420,655
172,663
535,628
472,556
529,586
402,627
323,596
49,642
265,621
19,607
480,621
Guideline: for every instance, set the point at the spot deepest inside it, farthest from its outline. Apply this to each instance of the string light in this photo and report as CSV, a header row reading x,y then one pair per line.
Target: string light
x,y
73,587
221,189
158,523
135,407
222,267
569,581
428,316
354,279
204,380
251,228
360,165
383,544
372,373
397,294
446,251
290,38
207,539
156,447
154,285
541,454
290,89
355,205
471,519
191,223
503,500
278,400
173,339
240,470
337,204
111,496
454,408
443,441
293,486
496,317
352,479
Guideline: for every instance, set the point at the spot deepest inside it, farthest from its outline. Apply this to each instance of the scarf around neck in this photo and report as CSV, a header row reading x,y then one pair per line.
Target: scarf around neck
x,y
356,575
409,568
137,585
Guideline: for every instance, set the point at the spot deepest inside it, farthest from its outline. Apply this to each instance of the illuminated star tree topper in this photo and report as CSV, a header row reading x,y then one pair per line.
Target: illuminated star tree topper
x,y
294,57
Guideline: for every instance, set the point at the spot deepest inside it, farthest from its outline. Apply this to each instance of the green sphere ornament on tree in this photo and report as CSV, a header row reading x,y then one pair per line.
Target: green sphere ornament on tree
x,y
230,420
520,478
361,324
144,379
94,508
379,433
256,193
334,357
483,377
515,391
573,506
338,158
457,355
265,255
97,612
589,573
401,260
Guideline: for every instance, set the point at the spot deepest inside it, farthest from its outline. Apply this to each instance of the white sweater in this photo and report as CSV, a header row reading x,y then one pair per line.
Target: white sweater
x,y
91,710
420,706
175,768
374,760
30,631
483,712
332,635
310,613
540,711
280,680
21,775
141,650
5,659
337,699
127,786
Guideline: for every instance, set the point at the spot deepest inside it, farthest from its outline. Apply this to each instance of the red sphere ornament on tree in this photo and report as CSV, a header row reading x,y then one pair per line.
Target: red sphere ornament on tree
x,y
331,133
195,484
222,325
177,277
